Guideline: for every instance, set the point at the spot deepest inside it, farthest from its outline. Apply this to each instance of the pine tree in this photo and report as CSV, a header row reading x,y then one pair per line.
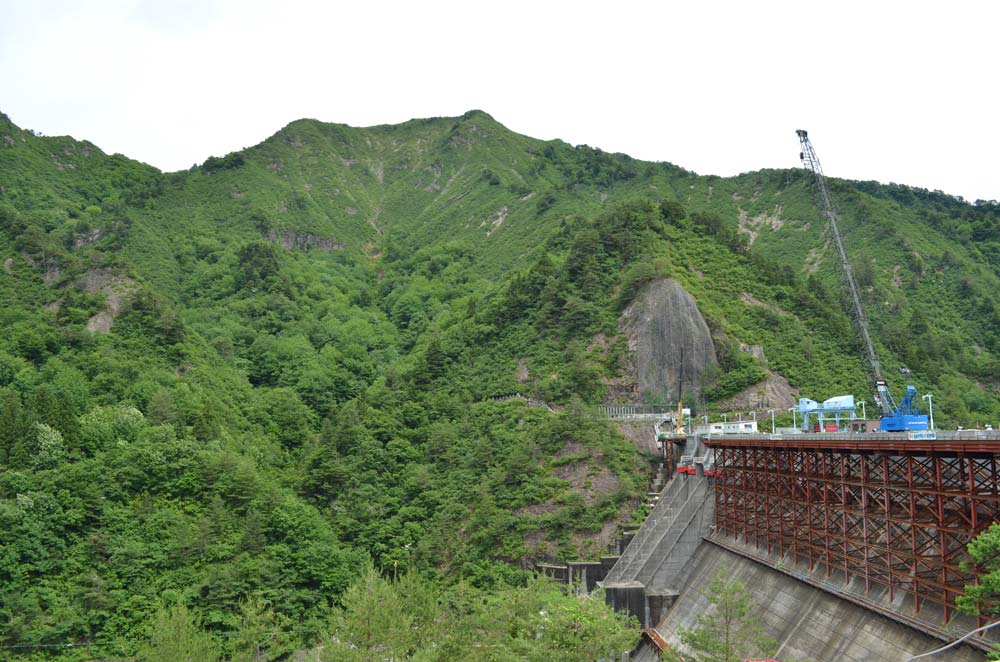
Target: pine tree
x,y
177,637
373,625
730,631
261,635
17,432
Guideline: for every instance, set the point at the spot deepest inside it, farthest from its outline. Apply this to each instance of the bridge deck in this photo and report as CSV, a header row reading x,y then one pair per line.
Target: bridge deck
x,y
967,441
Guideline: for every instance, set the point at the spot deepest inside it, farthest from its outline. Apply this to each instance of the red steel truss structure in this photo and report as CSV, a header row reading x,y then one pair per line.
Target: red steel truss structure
x,y
888,511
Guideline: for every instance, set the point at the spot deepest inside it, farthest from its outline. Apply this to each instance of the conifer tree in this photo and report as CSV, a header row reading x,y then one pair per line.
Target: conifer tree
x,y
981,598
176,636
730,631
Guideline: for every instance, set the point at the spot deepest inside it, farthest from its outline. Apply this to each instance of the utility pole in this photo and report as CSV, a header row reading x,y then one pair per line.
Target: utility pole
x,y
930,405
771,412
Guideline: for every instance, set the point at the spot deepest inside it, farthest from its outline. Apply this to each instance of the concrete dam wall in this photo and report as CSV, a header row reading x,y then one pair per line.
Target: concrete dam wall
x,y
809,623
661,575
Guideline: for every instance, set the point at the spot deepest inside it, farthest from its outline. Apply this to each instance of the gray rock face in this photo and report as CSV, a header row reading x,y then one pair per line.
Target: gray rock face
x,y
663,324
303,241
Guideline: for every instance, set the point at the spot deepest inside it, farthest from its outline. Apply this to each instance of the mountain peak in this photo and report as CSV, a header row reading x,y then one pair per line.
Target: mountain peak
x,y
468,115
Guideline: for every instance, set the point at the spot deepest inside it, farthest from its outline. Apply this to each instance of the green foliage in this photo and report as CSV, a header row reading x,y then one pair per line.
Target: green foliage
x,y
410,619
176,636
737,371
640,274
227,162
103,427
372,622
301,344
258,266
50,449
261,633
981,598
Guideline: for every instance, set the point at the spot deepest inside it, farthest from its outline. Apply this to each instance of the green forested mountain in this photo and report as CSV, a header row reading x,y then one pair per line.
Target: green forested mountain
x,y
241,383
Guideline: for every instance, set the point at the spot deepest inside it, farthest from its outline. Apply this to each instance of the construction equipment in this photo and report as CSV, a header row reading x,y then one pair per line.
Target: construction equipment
x,y
905,416
895,418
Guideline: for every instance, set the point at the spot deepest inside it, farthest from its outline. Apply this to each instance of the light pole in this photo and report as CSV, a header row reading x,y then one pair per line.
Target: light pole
x,y
771,412
706,418
794,424
864,414
930,405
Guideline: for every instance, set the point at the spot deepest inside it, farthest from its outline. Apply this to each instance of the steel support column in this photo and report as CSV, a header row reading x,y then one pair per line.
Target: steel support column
x,y
894,515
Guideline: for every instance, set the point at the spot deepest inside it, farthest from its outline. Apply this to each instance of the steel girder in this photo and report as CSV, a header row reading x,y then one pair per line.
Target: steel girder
x,y
897,518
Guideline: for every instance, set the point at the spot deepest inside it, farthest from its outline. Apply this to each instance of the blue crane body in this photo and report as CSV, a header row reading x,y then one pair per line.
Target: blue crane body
x,y
903,417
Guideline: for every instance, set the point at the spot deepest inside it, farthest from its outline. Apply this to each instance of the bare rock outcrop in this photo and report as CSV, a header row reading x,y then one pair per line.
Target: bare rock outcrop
x,y
773,393
303,241
664,326
116,289
87,238
643,436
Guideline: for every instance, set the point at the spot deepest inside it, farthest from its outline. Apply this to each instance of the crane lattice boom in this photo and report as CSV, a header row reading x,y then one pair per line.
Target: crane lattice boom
x,y
811,161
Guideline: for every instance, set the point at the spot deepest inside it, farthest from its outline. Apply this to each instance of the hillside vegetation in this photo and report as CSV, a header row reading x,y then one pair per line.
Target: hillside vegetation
x,y
227,390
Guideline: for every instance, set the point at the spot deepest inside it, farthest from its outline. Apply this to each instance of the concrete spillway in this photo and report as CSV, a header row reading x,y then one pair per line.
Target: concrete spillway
x,y
652,570
808,623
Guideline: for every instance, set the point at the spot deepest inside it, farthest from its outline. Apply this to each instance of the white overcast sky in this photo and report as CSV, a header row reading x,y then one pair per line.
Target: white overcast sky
x,y
894,91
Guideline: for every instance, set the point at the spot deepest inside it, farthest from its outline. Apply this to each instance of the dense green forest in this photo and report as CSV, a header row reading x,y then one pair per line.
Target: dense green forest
x,y
226,392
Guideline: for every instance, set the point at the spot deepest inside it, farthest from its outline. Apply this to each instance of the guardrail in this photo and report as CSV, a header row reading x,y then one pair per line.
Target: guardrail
x,y
636,413
953,435
531,402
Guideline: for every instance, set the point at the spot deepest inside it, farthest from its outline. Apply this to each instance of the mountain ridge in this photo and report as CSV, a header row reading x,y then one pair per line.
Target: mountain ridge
x,y
359,208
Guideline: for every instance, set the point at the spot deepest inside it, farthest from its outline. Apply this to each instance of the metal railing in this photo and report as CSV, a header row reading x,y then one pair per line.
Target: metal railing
x,y
637,412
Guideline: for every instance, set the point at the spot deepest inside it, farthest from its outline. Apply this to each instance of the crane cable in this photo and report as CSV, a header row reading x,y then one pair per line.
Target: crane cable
x,y
952,644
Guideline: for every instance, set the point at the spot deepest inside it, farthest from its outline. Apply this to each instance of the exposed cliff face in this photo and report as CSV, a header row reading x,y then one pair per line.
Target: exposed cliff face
x,y
663,325
774,392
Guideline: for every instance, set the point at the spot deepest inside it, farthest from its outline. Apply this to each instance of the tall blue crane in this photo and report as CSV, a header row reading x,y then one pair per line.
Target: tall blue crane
x,y
895,417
